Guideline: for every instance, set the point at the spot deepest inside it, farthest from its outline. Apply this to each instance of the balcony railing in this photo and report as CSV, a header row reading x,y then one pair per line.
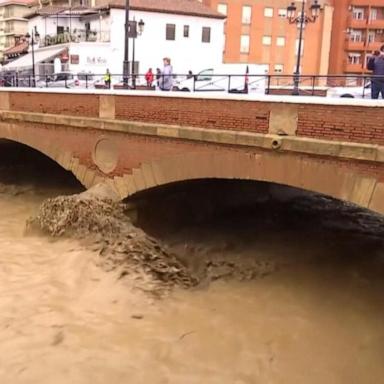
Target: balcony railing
x,y
357,23
376,24
375,45
353,68
364,45
351,45
76,36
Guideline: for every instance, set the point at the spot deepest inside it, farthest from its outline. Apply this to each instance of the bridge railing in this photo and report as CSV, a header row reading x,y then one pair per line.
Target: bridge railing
x,y
357,86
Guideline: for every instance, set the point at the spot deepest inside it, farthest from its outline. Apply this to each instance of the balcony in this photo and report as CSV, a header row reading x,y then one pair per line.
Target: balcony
x,y
363,3
357,23
374,45
354,45
376,24
77,36
353,68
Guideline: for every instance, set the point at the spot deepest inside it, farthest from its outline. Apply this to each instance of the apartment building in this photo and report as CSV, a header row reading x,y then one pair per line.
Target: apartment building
x,y
13,25
258,31
358,30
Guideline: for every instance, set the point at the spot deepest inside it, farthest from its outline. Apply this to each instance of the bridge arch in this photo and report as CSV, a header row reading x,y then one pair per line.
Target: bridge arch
x,y
55,152
313,174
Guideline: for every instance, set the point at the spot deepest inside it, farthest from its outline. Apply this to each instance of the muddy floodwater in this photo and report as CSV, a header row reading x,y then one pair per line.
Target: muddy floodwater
x,y
317,317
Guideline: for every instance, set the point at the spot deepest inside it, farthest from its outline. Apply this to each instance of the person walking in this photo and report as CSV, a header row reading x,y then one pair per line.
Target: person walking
x,y
166,80
107,79
158,75
149,78
376,65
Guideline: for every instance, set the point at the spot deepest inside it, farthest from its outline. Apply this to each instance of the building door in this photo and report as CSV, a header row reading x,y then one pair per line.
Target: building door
x,y
59,30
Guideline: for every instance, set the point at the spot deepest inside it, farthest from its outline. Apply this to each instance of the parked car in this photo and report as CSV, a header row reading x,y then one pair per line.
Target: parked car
x,y
359,92
67,80
234,78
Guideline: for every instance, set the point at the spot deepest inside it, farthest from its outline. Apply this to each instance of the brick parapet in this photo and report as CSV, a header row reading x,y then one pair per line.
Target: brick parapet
x,y
351,121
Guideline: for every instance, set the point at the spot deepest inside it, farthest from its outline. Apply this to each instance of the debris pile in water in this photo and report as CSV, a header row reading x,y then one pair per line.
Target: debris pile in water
x,y
101,220
120,244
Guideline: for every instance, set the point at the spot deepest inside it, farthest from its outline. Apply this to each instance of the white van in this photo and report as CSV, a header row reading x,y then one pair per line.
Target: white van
x,y
233,78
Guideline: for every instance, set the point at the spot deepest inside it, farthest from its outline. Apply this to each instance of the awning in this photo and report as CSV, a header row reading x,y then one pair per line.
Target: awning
x,y
40,56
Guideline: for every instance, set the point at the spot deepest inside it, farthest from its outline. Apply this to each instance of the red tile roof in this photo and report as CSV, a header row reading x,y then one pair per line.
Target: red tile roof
x,y
51,10
182,7
19,48
11,2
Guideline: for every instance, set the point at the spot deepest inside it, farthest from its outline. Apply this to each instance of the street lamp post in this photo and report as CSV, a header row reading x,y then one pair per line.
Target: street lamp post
x,y
32,38
126,37
301,20
138,30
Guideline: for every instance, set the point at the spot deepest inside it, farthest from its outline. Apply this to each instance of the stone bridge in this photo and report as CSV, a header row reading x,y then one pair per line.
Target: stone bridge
x,y
140,140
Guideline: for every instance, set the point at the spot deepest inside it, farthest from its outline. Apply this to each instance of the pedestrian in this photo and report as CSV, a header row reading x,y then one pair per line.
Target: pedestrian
x,y
107,79
149,78
166,78
376,65
190,74
158,75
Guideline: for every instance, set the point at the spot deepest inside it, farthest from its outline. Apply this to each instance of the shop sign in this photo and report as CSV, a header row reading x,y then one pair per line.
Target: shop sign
x,y
75,59
96,60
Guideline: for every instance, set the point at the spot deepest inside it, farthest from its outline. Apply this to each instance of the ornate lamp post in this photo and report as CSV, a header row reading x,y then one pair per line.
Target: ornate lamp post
x,y
138,29
126,37
33,38
301,20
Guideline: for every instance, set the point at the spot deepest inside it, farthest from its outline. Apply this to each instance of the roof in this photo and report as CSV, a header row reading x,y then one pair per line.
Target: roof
x,y
19,48
51,10
45,54
182,7
17,2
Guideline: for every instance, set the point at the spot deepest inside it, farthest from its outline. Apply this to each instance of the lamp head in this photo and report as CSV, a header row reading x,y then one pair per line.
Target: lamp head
x,y
315,9
291,10
141,26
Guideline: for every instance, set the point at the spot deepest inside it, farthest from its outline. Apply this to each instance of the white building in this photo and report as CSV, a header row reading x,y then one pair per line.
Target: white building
x,y
81,39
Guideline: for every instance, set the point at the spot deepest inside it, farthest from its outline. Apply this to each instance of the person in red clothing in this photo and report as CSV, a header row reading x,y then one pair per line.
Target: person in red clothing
x,y
149,77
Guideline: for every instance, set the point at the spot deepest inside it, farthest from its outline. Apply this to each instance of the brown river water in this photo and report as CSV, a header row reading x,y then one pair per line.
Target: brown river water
x,y
317,318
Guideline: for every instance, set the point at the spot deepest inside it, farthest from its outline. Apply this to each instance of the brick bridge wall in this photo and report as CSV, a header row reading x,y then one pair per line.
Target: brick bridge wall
x,y
351,123
128,141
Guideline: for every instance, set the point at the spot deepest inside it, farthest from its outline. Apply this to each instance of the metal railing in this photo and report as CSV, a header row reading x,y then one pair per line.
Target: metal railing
x,y
309,85
75,36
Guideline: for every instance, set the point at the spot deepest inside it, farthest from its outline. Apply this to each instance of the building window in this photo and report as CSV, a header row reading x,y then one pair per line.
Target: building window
x,y
268,12
246,15
371,37
282,12
280,41
373,14
206,35
358,13
170,33
244,44
267,40
297,47
354,58
356,35
186,31
279,68
222,8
